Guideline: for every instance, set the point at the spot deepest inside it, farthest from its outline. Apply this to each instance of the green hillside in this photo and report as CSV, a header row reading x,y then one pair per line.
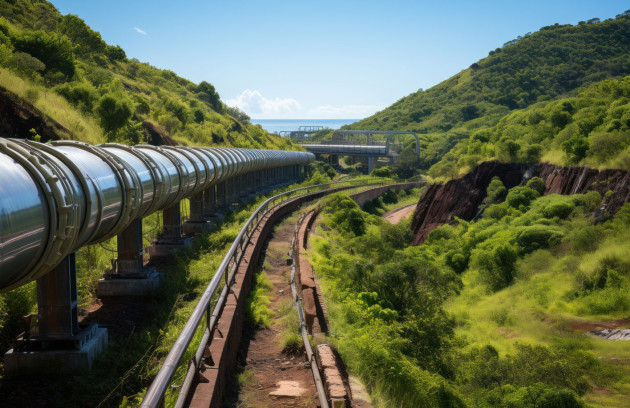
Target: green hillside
x,y
552,63
591,128
63,69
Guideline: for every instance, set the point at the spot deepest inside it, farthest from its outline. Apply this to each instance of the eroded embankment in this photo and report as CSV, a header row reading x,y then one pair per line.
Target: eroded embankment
x,y
461,198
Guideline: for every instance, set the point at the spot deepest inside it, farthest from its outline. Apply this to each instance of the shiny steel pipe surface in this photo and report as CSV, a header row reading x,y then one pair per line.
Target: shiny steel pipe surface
x,y
55,198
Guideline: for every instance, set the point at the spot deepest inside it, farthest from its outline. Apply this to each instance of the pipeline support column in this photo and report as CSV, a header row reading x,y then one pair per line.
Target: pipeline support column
x,y
129,277
59,338
172,238
197,223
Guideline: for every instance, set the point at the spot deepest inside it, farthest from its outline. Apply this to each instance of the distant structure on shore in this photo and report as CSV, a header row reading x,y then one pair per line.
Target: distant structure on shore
x,y
302,132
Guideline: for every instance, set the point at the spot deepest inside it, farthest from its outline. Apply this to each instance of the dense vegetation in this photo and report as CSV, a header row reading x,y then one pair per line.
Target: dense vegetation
x,y
550,64
591,128
485,313
65,69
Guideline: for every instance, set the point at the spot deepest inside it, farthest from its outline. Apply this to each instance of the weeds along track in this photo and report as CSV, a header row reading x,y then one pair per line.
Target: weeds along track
x,y
215,358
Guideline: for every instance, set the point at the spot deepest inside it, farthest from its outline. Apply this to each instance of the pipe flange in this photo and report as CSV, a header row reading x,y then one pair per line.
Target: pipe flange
x,y
159,185
182,150
62,209
181,170
129,180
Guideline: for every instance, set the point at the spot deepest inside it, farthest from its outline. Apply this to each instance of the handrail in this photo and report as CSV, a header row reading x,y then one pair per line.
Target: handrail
x,y
155,394
319,384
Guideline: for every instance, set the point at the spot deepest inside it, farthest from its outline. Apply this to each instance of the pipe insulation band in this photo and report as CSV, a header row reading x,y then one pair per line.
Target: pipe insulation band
x,y
55,198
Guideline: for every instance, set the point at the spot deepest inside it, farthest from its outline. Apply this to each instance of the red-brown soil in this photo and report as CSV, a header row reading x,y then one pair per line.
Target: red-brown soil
x,y
264,361
396,215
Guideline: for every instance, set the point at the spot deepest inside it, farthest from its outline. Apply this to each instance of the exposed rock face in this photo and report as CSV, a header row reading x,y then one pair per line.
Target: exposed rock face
x,y
18,117
158,136
461,197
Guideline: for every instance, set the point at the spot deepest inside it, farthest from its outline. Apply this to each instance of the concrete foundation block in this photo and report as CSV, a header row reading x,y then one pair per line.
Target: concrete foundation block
x,y
162,249
129,286
197,227
16,362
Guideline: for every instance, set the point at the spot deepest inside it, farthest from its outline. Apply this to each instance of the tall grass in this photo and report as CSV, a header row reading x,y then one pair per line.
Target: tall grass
x,y
56,107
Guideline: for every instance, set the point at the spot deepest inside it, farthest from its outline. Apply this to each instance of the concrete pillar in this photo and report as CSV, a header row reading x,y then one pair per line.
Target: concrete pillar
x,y
209,202
59,340
235,190
129,277
57,306
370,164
196,207
258,181
172,238
221,195
172,229
197,223
130,249
229,192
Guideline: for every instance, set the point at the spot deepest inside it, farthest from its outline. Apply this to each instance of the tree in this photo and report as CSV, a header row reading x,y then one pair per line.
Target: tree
x,y
81,34
113,112
54,50
208,94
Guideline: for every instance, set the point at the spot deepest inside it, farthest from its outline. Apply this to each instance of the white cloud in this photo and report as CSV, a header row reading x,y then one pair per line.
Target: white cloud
x,y
259,107
254,104
140,31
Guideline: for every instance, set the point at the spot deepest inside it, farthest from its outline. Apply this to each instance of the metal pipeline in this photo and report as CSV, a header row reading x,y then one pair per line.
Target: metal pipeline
x,y
55,198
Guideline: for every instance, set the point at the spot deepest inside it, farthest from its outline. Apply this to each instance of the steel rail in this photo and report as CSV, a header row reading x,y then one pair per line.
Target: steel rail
x,y
154,396
317,377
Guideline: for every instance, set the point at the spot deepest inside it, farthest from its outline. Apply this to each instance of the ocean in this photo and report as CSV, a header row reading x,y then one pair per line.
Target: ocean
x,y
278,125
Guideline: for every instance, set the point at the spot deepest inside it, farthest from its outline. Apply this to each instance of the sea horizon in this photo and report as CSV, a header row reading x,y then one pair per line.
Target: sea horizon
x,y
279,125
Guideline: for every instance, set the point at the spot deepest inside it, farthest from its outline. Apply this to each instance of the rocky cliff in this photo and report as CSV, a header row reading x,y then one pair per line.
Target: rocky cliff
x,y
461,197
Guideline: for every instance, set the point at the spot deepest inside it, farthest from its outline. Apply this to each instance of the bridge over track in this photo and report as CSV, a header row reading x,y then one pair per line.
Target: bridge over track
x,y
56,198
340,146
302,132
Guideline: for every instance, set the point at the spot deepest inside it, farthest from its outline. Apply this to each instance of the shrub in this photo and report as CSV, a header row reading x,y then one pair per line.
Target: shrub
x,y
292,344
561,210
80,94
54,50
115,53
457,261
80,33
390,197
559,399
584,238
496,192
521,196
496,211
537,237
27,65
382,172
589,201
113,112
496,266
536,183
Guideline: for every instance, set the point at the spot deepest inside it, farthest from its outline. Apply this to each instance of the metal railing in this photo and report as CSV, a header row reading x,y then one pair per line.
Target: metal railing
x,y
226,272
310,356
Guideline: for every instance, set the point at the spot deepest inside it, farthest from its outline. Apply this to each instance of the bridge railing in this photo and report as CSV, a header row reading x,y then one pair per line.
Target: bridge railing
x,y
225,273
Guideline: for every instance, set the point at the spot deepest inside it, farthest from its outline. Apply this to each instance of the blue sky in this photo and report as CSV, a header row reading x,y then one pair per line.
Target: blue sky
x,y
321,59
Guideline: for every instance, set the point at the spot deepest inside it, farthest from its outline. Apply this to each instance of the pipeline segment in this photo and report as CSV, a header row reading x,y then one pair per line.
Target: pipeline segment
x,y
55,198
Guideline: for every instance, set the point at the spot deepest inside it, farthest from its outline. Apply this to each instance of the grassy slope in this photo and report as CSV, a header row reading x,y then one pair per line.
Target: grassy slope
x,y
551,63
576,279
192,114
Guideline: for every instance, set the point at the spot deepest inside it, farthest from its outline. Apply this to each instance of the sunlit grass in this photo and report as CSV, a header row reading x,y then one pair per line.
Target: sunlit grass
x,y
81,127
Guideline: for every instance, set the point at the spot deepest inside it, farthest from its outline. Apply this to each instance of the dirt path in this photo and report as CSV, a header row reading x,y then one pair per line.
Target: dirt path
x,y
394,216
271,378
